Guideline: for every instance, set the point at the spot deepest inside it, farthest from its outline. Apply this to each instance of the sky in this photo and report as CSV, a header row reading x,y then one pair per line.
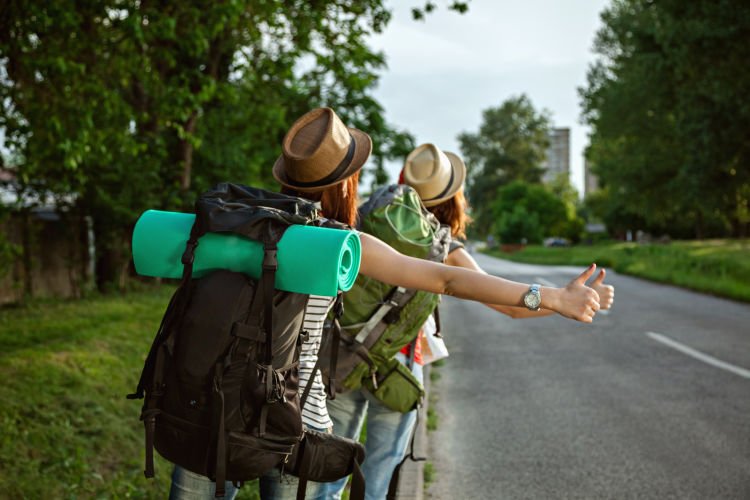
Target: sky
x,y
443,71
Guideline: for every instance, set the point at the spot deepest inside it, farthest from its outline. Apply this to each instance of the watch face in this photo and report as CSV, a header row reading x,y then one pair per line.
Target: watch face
x,y
532,300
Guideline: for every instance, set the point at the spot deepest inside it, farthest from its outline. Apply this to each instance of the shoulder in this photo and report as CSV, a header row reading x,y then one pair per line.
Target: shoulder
x,y
455,245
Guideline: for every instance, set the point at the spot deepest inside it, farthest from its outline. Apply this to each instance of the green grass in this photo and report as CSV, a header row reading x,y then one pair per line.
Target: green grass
x,y
432,415
429,474
66,429
718,267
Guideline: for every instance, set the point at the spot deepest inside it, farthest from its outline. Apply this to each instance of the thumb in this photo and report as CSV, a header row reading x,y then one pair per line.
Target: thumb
x,y
600,277
581,279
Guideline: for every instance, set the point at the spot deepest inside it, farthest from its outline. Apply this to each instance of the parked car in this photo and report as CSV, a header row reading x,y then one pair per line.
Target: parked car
x,y
556,241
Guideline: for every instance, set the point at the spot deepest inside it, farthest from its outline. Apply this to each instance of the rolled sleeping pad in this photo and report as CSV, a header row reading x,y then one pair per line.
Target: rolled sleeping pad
x,y
312,260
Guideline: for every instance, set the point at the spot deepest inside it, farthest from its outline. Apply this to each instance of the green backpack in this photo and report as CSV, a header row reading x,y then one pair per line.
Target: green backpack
x,y
379,320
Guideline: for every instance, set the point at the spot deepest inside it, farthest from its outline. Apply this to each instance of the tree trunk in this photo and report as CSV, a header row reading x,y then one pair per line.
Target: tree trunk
x,y
112,257
698,225
27,243
185,152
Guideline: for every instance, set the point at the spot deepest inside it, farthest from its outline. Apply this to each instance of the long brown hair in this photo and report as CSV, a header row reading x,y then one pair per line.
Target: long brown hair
x,y
338,202
452,212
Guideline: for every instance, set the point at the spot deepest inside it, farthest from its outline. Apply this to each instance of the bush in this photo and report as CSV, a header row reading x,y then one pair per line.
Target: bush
x,y
519,226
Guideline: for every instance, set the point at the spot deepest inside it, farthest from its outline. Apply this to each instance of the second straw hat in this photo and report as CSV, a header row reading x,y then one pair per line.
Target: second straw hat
x,y
436,175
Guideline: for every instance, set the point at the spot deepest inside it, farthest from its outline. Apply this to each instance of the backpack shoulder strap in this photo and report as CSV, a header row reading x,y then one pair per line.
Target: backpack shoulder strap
x,y
397,298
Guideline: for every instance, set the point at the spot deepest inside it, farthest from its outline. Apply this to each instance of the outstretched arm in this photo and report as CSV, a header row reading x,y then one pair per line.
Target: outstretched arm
x,y
379,261
462,258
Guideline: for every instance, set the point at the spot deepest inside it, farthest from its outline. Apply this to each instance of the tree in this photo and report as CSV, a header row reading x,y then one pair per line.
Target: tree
x,y
518,226
510,145
666,103
548,212
115,107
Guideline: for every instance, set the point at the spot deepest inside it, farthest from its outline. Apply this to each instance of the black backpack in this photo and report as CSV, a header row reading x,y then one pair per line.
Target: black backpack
x,y
221,379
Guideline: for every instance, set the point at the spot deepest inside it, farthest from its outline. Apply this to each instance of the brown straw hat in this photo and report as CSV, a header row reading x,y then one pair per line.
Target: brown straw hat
x,y
319,151
435,175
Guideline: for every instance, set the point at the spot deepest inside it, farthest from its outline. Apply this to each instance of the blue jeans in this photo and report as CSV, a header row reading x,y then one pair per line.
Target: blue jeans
x,y
388,435
188,485
274,486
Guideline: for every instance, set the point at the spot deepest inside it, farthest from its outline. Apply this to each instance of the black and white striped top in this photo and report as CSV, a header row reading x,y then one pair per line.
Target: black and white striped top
x,y
315,413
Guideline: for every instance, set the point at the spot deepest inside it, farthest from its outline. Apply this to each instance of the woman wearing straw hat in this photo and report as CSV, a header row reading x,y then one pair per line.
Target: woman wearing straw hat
x,y
438,177
321,160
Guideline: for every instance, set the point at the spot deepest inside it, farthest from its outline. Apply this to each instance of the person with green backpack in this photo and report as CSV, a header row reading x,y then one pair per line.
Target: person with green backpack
x,y
429,211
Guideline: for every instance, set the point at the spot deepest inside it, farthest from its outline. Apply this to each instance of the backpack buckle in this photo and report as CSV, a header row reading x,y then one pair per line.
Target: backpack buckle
x,y
338,305
270,262
392,316
304,336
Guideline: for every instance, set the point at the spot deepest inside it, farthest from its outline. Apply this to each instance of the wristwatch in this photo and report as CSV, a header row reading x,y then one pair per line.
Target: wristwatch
x,y
533,298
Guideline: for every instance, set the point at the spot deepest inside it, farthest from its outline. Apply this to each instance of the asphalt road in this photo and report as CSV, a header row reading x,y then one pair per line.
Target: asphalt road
x,y
636,405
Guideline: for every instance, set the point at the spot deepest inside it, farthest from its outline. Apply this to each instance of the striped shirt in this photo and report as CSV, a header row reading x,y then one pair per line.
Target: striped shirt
x,y
315,413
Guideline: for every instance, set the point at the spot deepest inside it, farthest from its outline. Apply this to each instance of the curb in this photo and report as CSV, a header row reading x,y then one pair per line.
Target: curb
x,y
411,482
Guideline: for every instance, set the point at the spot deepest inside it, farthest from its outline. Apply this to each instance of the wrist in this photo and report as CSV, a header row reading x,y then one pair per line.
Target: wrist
x,y
551,298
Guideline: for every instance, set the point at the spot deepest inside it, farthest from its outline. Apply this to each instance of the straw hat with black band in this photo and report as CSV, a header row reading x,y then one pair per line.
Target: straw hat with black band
x,y
434,174
320,151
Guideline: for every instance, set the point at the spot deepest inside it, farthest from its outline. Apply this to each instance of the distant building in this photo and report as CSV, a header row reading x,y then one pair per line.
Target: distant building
x,y
558,154
590,181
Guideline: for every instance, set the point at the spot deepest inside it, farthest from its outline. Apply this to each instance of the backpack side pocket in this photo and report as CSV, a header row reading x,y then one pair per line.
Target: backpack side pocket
x,y
397,388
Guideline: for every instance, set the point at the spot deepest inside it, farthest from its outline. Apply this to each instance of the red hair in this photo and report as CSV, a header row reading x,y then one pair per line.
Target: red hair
x,y
337,202
452,212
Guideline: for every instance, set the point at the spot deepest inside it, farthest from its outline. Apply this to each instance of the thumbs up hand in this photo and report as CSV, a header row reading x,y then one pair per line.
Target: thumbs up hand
x,y
578,301
606,292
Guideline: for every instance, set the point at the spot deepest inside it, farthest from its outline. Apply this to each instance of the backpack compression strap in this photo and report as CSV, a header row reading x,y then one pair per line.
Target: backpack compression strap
x,y
394,300
267,286
338,311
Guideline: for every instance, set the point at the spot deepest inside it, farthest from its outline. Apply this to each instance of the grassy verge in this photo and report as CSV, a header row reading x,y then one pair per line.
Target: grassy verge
x,y
432,414
66,429
429,474
718,267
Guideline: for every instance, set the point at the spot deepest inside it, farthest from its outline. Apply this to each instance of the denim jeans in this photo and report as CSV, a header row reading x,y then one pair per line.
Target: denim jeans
x,y
388,435
275,486
188,485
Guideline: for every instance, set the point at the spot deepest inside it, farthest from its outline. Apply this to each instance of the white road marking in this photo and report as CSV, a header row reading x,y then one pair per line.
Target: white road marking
x,y
544,282
699,355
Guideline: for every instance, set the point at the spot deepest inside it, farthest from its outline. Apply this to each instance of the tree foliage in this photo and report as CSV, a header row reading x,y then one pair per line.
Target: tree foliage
x,y
117,106
666,100
549,214
420,12
510,145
